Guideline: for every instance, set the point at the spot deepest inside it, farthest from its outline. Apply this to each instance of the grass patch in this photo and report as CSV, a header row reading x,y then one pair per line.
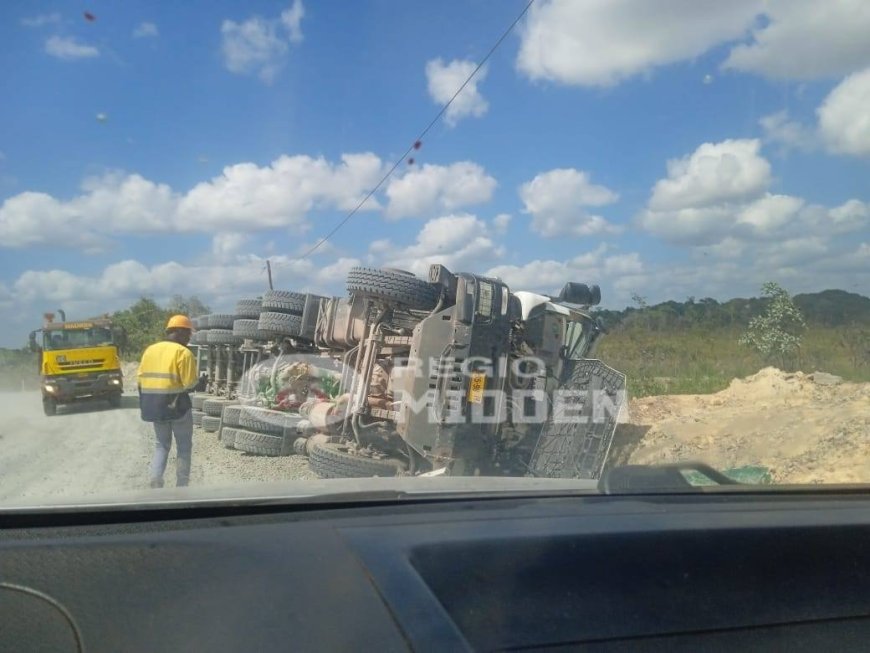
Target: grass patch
x,y
702,361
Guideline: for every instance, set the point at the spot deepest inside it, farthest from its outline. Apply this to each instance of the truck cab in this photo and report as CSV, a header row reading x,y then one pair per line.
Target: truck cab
x,y
78,361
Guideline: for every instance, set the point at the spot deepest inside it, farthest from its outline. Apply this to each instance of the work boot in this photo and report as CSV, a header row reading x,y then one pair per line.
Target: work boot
x,y
156,483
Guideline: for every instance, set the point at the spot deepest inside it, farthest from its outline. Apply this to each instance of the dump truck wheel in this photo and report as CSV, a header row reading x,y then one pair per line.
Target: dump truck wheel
x,y
280,324
334,460
392,286
230,415
197,398
197,417
249,329
284,301
249,309
49,407
223,337
221,321
263,420
300,446
228,437
210,424
262,444
214,407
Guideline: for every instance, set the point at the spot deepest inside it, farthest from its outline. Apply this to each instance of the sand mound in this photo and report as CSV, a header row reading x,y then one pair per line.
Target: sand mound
x,y
806,428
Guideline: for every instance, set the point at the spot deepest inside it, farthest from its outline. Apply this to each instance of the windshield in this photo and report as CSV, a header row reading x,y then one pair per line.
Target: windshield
x,y
77,338
532,240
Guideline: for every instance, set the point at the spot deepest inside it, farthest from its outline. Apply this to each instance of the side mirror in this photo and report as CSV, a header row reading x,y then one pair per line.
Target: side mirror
x,y
34,347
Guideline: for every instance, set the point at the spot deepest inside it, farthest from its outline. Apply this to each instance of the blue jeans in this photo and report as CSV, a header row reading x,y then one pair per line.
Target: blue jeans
x,y
182,428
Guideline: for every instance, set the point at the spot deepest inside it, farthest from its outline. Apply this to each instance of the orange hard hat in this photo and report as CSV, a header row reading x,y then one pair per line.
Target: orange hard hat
x,y
179,322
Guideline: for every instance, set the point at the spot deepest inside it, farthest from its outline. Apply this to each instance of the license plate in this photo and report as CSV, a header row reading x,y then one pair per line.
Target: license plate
x,y
476,387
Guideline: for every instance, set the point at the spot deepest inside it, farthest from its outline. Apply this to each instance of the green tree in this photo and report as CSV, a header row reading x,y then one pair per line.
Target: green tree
x,y
144,323
777,333
191,306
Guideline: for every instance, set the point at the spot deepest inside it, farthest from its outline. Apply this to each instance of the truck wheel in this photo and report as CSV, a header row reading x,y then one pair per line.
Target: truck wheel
x,y
210,424
392,286
280,324
214,407
284,301
221,321
249,329
228,437
262,444
115,400
223,337
197,417
263,420
49,406
197,398
230,415
249,309
335,460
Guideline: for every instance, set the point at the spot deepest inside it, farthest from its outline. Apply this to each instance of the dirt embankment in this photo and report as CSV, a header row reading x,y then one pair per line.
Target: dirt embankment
x,y
806,428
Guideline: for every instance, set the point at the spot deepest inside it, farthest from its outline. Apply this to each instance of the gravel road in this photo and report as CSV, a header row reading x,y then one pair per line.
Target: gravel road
x,y
91,449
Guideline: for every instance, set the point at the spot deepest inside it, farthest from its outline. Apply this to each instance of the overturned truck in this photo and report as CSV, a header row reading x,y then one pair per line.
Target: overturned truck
x,y
456,375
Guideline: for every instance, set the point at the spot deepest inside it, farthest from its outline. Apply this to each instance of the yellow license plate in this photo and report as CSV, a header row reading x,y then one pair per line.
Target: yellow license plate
x,y
476,387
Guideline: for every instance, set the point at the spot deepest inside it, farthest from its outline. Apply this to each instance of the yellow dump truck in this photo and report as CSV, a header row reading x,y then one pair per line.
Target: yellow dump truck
x,y
78,361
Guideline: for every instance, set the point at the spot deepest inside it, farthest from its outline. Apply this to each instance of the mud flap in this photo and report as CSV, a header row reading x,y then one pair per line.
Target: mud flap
x,y
576,438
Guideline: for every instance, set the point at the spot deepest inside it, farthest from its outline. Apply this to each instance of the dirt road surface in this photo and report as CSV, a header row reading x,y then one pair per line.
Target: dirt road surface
x,y
91,449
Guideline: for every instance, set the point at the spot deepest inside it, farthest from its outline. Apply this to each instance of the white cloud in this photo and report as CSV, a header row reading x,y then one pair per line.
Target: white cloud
x,y
145,30
444,80
780,129
41,20
292,20
806,39
603,42
69,49
714,173
501,222
433,188
549,276
244,197
461,242
844,116
224,245
260,45
720,192
557,199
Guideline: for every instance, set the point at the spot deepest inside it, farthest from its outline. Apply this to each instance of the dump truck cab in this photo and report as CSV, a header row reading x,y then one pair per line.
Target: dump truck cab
x,y
78,361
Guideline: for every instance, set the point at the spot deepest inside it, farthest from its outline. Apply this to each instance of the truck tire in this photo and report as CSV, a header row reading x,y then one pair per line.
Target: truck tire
x,y
249,309
230,415
263,420
197,417
199,338
249,329
262,444
300,446
334,460
221,321
49,406
392,286
210,424
214,407
284,301
223,337
197,398
200,322
228,436
280,324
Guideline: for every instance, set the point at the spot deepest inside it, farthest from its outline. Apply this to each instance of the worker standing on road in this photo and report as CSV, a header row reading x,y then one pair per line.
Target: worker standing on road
x,y
167,373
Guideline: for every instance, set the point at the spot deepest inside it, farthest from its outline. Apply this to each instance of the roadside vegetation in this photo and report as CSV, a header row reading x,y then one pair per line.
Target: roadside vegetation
x,y
694,347
690,347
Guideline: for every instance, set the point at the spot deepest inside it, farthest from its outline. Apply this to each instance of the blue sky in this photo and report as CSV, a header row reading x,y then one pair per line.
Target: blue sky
x,y
224,127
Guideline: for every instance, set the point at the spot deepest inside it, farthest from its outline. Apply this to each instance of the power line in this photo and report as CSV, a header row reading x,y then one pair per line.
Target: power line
x,y
419,138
